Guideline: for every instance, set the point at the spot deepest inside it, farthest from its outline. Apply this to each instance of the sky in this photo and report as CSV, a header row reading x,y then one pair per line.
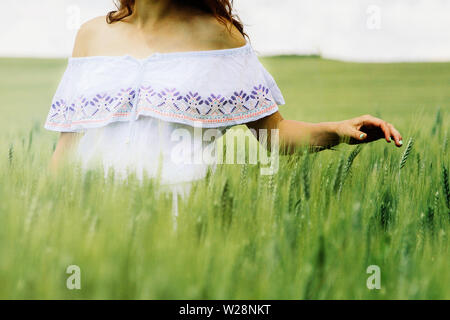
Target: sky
x,y
350,30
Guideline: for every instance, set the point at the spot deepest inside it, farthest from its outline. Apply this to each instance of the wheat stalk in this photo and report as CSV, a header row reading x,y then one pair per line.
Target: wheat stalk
x,y
445,144
244,177
348,165
338,175
437,122
10,153
293,191
306,176
226,204
350,159
445,186
406,153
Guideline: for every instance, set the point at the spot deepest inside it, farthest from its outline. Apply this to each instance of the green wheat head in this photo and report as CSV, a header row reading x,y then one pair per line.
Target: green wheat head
x,y
406,153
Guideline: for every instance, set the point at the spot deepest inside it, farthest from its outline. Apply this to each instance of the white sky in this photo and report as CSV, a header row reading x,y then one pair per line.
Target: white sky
x,y
356,30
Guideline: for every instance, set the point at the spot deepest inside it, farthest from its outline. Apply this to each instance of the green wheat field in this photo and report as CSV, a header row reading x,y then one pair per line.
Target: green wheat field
x,y
308,232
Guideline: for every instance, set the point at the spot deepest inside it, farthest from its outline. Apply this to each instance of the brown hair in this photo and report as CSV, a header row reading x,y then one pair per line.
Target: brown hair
x,y
222,10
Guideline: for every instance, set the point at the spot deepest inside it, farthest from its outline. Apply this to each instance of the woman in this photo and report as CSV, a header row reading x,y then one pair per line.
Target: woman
x,y
156,66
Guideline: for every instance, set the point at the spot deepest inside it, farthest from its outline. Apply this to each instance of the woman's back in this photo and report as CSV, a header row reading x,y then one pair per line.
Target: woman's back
x,y
188,30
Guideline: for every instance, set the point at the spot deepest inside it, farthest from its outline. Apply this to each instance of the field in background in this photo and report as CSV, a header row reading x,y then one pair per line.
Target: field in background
x,y
310,231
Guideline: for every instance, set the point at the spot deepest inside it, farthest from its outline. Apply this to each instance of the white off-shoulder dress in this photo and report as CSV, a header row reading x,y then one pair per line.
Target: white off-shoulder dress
x,y
149,114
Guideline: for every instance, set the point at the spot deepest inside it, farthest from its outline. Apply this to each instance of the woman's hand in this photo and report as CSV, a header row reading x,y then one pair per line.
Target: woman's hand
x,y
366,129
325,135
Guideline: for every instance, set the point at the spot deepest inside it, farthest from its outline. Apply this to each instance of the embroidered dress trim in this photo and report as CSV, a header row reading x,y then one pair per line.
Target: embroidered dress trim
x,y
204,89
167,104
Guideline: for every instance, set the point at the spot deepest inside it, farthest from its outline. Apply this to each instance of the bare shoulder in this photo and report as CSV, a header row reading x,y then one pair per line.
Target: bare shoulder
x,y
88,34
216,34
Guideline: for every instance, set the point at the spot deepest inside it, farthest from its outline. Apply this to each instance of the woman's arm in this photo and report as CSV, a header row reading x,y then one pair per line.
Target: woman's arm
x,y
68,140
63,150
324,135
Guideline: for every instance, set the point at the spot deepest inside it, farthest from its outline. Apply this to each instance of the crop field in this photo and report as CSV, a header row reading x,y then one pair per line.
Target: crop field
x,y
308,232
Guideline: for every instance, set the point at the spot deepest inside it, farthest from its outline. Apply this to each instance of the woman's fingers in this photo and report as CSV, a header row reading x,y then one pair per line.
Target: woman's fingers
x,y
372,121
396,135
368,128
357,135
